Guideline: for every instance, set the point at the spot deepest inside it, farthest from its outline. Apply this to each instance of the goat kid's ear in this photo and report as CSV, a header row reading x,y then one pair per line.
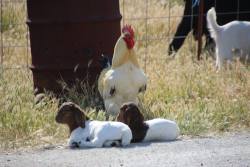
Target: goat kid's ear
x,y
118,117
80,120
85,118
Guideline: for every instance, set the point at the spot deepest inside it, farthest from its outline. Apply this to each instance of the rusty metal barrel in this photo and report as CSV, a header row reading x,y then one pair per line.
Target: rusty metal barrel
x,y
67,39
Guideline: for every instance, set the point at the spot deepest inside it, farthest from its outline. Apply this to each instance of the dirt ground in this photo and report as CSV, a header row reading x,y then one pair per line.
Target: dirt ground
x,y
222,151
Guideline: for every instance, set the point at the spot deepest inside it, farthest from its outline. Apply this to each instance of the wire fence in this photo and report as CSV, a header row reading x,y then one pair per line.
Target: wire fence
x,y
14,36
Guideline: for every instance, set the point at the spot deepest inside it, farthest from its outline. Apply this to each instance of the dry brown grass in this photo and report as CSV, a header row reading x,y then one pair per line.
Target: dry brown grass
x,y
179,88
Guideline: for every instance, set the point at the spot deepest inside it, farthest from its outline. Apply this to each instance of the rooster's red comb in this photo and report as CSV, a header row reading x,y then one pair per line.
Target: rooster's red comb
x,y
128,29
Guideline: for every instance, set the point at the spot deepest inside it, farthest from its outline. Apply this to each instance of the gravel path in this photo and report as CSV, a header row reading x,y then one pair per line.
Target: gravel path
x,y
224,151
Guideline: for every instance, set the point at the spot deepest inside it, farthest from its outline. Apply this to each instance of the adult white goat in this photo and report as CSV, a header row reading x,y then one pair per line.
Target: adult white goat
x,y
232,36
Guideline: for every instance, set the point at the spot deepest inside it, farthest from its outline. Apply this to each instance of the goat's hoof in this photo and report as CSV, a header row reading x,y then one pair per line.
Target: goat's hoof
x,y
75,145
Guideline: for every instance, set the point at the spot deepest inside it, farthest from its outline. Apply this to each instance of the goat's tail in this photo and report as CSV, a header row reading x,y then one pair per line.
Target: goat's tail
x,y
213,27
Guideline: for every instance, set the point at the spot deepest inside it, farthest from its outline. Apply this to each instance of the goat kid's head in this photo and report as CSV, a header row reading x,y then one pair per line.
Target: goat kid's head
x,y
72,115
130,114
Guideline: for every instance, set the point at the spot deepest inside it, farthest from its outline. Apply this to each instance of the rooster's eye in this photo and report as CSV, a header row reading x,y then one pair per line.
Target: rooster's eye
x,y
127,36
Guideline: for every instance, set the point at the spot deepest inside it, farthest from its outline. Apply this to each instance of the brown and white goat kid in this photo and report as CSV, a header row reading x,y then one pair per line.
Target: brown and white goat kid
x,y
152,130
88,133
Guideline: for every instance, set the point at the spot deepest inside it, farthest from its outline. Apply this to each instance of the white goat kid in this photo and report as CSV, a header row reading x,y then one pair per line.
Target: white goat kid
x,y
101,133
86,133
143,131
229,37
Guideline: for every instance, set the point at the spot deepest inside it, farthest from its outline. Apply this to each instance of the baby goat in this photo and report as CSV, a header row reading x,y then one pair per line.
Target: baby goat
x,y
87,133
152,130
229,37
72,115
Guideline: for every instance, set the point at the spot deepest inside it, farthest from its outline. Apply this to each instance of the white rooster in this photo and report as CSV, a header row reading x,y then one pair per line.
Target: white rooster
x,y
124,80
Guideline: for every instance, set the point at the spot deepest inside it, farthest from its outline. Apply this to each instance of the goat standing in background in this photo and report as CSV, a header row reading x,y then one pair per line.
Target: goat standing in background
x,y
228,10
231,36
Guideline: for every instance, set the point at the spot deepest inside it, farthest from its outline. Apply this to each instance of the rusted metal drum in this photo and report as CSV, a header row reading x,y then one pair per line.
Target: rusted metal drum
x,y
67,39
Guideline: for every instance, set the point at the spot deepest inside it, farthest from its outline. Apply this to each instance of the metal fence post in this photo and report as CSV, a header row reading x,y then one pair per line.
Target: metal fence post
x,y
200,25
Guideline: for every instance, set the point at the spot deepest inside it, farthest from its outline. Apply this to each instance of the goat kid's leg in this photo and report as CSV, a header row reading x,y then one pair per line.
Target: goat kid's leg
x,y
126,139
93,143
111,143
220,64
229,64
217,62
220,56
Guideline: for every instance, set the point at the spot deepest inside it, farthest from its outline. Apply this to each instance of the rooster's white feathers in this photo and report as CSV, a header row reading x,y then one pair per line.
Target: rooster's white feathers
x,y
124,80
